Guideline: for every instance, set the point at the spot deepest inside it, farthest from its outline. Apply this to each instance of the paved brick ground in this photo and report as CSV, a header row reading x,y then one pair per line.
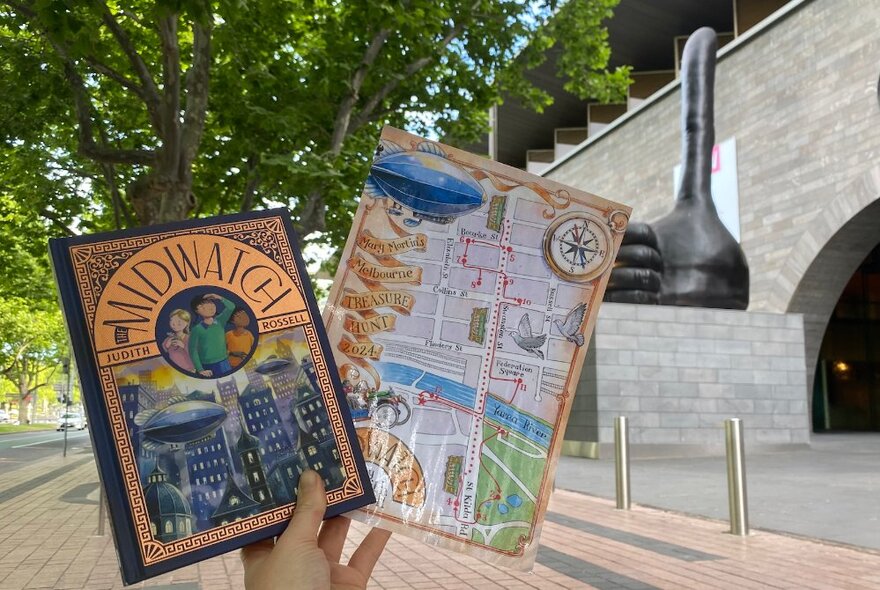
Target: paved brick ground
x,y
49,519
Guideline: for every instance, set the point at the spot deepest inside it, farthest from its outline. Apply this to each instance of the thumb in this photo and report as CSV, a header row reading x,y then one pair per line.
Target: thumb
x,y
309,512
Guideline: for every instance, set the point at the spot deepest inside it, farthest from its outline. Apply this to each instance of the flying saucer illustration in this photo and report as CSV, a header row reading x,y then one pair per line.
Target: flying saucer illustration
x,y
182,421
425,181
273,364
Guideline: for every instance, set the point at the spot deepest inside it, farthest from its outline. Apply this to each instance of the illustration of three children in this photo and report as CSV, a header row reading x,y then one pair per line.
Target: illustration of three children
x,y
206,348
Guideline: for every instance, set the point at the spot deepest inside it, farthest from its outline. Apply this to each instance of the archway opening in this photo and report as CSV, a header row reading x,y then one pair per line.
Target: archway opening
x,y
846,390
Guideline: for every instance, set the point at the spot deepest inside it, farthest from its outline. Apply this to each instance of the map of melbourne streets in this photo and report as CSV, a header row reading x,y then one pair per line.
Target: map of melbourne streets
x,y
459,317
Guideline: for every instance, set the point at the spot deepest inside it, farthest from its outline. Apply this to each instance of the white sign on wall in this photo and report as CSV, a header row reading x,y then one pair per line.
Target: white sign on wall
x,y
725,189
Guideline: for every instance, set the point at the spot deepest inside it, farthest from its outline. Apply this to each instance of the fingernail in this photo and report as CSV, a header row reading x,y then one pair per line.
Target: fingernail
x,y
309,480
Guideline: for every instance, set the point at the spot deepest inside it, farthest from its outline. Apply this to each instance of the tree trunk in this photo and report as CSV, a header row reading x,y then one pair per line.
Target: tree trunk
x,y
158,200
23,411
24,415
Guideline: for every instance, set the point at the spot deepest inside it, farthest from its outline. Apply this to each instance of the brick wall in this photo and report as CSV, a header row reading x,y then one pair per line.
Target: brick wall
x,y
678,372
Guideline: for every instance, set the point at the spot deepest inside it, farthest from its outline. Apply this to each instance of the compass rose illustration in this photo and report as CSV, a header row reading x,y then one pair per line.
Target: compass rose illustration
x,y
577,245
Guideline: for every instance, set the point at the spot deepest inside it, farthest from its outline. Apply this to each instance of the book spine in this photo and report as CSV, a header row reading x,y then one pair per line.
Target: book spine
x,y
109,470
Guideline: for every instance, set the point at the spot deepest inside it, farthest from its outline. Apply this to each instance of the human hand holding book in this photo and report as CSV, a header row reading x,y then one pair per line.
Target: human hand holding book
x,y
190,466
305,559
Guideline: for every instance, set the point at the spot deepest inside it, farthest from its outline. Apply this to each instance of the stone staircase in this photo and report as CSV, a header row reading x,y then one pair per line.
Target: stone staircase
x,y
747,13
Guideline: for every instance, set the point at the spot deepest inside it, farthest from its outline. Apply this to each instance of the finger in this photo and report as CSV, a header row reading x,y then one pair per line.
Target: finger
x,y
309,512
332,537
366,556
256,551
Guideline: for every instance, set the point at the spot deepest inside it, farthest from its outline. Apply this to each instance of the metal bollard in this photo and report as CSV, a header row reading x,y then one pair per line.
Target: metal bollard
x,y
736,477
621,462
65,367
102,501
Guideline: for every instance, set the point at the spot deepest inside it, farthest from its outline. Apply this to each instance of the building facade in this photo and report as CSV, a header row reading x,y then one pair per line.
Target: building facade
x,y
261,418
798,94
207,465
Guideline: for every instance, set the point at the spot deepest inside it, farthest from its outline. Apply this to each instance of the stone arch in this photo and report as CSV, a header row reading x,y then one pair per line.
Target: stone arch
x,y
825,258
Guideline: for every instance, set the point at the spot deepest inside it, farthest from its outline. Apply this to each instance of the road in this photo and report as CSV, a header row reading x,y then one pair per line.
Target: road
x,y
17,450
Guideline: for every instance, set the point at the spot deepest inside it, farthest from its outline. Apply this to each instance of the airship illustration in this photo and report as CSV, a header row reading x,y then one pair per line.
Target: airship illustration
x,y
273,364
425,181
182,421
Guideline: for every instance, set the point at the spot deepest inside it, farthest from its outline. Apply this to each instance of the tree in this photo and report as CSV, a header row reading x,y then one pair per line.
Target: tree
x,y
162,109
147,116
31,346
23,256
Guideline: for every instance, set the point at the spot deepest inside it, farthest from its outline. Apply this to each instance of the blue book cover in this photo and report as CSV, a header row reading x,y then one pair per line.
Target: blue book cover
x,y
208,382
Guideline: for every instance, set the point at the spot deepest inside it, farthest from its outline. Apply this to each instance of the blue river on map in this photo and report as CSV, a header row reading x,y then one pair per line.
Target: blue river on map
x,y
506,415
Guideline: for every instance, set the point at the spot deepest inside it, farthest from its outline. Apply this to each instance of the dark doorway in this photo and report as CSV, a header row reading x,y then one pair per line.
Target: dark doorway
x,y
846,391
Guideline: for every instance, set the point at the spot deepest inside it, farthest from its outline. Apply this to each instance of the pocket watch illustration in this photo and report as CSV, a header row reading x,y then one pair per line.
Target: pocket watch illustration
x,y
577,246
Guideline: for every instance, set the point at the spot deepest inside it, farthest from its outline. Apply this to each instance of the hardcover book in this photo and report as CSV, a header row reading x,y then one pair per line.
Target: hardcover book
x,y
459,318
208,382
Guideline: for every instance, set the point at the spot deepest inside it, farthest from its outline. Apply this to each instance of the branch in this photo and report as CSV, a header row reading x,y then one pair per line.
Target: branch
x,y
312,217
8,370
197,79
223,200
83,108
34,373
128,157
57,222
83,104
343,116
134,18
24,9
36,387
109,171
119,209
106,70
250,189
171,94
364,116
152,98
56,167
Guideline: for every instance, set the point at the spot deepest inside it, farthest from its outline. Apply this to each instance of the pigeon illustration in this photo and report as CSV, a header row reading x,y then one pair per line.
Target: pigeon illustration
x,y
525,340
570,327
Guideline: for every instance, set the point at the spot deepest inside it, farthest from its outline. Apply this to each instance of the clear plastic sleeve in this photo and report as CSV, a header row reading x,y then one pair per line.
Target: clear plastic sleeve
x,y
459,316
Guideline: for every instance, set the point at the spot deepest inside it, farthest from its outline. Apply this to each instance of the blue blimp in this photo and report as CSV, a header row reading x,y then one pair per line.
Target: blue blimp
x,y
182,421
425,181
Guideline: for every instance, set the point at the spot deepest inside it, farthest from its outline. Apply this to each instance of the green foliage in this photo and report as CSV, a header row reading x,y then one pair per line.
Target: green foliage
x,y
33,335
587,51
32,342
299,91
27,275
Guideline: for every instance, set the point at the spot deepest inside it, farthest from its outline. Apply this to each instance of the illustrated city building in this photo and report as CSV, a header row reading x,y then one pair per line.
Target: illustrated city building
x,y
271,431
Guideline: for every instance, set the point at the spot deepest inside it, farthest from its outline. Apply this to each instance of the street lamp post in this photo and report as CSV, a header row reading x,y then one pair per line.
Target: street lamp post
x,y
65,368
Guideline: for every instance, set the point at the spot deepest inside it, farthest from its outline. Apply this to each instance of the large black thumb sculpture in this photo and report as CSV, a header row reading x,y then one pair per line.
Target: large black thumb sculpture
x,y
638,269
703,265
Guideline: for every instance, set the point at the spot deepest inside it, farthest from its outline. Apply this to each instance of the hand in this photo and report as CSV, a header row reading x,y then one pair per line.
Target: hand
x,y
304,559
